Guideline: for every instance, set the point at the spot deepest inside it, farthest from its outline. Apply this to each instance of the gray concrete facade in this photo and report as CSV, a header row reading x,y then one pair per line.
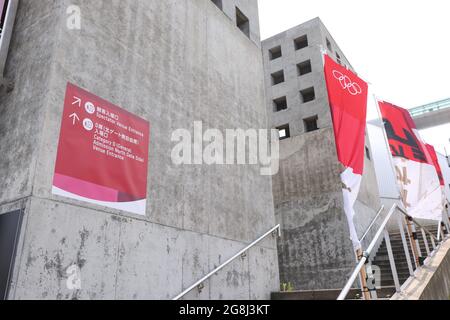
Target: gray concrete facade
x,y
315,251
297,110
170,62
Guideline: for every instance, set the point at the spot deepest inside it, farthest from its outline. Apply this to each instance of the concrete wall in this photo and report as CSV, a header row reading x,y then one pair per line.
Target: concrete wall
x,y
315,251
438,287
432,281
169,63
250,9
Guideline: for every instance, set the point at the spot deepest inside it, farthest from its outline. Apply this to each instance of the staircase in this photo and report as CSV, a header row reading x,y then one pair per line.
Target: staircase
x,y
387,289
382,259
354,294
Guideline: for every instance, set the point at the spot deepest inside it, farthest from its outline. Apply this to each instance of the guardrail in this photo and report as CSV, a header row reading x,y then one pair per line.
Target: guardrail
x,y
382,231
200,282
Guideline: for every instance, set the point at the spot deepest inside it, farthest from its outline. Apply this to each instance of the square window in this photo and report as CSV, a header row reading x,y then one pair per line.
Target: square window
x,y
275,53
277,77
308,95
301,42
218,3
368,154
304,68
329,45
280,104
242,22
284,132
338,58
311,124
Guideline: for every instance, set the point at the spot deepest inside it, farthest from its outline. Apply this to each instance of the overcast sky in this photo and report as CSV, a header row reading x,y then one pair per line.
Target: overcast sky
x,y
402,47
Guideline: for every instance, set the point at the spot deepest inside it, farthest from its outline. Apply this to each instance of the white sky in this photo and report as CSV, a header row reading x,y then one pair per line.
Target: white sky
x,y
402,47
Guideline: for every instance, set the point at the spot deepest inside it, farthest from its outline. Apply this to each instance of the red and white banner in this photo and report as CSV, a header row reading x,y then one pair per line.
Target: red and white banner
x,y
436,164
438,168
416,172
347,95
102,153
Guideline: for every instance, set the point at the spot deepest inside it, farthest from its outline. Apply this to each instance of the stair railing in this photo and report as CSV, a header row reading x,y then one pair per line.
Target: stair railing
x,y
372,224
199,284
382,231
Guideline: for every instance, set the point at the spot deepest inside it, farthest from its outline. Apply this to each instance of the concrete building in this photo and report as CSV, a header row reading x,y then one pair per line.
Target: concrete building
x,y
170,62
315,251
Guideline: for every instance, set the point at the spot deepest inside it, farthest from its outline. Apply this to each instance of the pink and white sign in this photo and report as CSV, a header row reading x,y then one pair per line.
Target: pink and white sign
x,y
102,153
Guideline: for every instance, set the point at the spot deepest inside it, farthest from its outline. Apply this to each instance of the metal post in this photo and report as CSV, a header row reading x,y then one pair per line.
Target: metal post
x,y
363,277
433,243
447,225
372,284
405,245
425,240
392,260
416,238
413,237
439,232
444,230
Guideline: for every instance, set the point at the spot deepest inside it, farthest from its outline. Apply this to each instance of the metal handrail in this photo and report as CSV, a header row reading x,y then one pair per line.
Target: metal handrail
x,y
237,255
418,224
366,255
372,224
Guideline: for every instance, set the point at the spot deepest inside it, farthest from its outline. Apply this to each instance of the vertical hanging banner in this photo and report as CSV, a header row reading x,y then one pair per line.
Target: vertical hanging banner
x,y
416,172
348,95
437,166
102,153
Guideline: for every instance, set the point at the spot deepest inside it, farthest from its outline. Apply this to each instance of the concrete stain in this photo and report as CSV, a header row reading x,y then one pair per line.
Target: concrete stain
x,y
84,235
55,265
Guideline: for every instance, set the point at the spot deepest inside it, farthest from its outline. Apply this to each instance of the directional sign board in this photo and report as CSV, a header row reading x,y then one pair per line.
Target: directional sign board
x,y
102,153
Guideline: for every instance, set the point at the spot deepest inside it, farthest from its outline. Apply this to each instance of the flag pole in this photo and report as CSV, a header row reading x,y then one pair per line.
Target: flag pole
x,y
358,252
363,276
402,196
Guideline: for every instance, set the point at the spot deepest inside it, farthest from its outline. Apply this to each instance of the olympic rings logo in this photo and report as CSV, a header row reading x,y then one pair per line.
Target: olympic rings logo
x,y
347,84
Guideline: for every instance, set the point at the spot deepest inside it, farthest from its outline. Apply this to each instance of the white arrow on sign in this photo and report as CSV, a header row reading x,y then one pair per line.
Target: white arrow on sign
x,y
74,117
77,101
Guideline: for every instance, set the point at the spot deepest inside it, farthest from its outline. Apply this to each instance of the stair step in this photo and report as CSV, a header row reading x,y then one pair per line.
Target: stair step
x,y
383,293
382,259
400,270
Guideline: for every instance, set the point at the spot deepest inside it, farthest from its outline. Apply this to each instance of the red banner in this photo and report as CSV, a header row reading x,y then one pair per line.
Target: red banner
x,y
102,153
436,164
416,171
347,94
400,130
